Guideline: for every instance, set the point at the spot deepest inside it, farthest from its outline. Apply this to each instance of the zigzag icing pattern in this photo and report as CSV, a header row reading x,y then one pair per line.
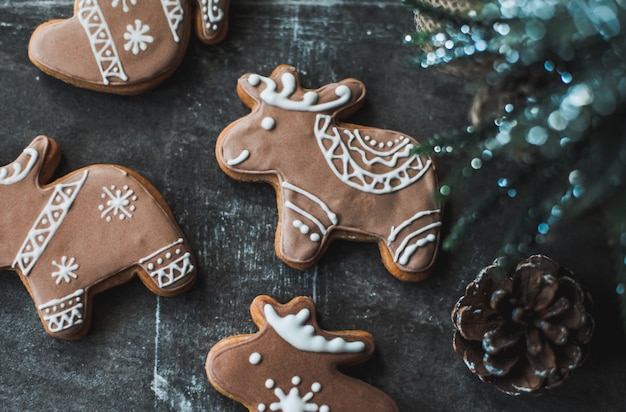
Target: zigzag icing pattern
x,y
46,225
174,12
102,44
173,272
63,313
354,175
166,274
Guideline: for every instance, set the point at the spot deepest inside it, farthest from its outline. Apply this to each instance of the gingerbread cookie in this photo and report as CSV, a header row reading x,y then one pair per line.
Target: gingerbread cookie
x,y
124,46
333,180
84,233
290,365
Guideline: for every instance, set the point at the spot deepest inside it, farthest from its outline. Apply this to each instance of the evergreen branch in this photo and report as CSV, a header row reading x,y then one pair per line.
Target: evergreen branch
x,y
441,14
567,121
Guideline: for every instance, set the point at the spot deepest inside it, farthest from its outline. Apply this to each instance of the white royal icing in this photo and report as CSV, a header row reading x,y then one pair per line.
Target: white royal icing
x,y
396,230
309,101
137,37
405,251
336,152
174,271
268,123
243,156
174,12
295,331
66,270
179,241
298,224
101,41
304,229
332,216
293,401
367,145
117,203
63,313
166,274
255,358
18,173
47,223
212,14
125,7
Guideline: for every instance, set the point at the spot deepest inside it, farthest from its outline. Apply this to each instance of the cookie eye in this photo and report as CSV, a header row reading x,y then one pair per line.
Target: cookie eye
x,y
255,358
268,123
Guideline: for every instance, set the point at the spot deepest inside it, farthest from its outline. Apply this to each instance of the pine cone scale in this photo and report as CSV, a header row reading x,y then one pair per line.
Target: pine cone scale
x,y
556,333
472,356
558,308
542,363
549,287
526,381
500,338
534,343
500,365
474,322
569,356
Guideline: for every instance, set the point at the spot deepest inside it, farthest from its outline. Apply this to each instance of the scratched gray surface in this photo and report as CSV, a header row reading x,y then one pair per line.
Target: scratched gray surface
x,y
147,353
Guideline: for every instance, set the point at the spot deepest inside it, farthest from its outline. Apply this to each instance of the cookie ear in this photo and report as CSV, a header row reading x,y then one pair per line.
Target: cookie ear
x,y
248,94
38,161
50,159
332,92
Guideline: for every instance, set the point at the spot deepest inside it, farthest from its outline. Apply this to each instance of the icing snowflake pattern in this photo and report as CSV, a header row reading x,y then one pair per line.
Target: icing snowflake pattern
x,y
118,203
67,269
125,7
292,401
137,37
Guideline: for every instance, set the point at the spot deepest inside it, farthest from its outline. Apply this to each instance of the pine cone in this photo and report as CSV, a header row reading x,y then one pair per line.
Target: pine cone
x,y
525,332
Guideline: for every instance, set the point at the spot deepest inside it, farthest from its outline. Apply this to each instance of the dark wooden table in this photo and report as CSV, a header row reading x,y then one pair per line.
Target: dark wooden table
x,y
147,353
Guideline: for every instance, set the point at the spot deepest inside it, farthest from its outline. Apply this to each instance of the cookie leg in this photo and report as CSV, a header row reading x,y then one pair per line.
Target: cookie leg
x,y
410,249
66,317
169,270
211,20
301,238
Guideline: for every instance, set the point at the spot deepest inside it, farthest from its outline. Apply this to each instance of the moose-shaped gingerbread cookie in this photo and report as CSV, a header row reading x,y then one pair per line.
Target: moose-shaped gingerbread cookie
x,y
125,46
83,233
333,180
290,365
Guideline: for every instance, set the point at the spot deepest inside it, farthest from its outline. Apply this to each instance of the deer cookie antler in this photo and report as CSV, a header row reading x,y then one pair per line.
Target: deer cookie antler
x,y
284,100
282,90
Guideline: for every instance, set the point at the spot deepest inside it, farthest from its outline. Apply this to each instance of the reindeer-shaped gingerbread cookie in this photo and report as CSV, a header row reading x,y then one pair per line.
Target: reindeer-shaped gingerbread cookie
x,y
125,46
86,232
333,180
290,365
